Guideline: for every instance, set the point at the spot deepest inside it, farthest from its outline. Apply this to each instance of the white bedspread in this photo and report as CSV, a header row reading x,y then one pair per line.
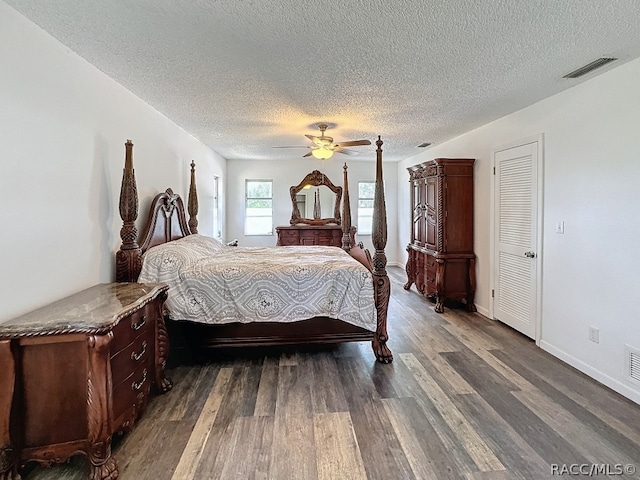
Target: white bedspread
x,y
213,283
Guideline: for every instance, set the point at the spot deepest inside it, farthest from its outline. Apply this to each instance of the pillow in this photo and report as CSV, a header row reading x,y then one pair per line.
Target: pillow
x,y
167,259
204,241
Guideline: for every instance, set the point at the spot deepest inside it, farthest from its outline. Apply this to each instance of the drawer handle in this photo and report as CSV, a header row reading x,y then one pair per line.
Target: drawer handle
x,y
138,325
137,386
137,356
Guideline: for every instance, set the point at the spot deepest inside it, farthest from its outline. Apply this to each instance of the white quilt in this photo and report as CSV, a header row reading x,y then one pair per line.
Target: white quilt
x,y
213,283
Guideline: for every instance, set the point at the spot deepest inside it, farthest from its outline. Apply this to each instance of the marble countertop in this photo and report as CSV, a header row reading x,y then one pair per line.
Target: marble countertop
x,y
94,310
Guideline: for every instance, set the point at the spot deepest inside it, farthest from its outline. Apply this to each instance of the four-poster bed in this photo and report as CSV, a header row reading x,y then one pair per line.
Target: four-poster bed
x,y
167,226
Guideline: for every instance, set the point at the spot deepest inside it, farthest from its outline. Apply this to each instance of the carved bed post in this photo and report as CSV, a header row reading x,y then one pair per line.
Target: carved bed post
x,y
129,257
382,286
193,200
346,214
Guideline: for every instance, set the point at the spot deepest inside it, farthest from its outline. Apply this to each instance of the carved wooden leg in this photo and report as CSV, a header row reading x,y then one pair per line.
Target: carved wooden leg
x,y
102,465
439,308
8,464
8,457
163,383
409,268
382,289
471,289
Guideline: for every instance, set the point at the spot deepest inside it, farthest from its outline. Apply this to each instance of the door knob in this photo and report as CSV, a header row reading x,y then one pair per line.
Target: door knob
x,y
529,254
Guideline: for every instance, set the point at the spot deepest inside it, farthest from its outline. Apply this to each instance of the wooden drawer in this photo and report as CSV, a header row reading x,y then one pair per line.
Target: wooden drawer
x,y
288,237
312,235
431,286
430,265
419,269
132,392
308,237
131,357
317,237
430,271
130,327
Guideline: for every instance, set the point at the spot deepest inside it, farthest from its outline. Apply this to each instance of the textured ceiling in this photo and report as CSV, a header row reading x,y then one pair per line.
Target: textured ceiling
x,y
244,76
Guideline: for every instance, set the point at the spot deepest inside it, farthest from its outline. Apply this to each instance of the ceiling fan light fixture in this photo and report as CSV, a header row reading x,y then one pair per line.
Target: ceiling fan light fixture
x,y
322,153
323,146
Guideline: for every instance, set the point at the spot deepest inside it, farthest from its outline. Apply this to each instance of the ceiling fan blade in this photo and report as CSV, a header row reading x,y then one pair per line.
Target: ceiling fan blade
x,y
293,146
345,151
307,155
354,143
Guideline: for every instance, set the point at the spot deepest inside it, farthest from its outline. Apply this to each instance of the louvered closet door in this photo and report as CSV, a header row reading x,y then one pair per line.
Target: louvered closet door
x,y
516,216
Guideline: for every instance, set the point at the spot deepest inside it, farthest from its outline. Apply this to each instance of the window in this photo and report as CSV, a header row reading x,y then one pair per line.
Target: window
x,y
365,207
217,230
258,219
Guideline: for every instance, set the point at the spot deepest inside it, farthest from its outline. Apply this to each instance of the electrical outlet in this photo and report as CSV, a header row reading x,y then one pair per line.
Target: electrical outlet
x,y
594,334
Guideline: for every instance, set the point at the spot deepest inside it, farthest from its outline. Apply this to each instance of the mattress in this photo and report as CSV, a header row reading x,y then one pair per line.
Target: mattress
x,y
213,283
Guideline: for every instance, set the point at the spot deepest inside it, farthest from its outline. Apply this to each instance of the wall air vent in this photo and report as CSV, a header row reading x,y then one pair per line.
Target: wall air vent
x,y
632,364
590,67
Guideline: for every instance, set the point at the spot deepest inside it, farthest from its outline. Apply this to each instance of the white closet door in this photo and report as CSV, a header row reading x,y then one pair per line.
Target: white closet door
x,y
515,258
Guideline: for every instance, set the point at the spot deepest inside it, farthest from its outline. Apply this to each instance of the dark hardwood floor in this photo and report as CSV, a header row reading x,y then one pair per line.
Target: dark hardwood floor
x,y
466,398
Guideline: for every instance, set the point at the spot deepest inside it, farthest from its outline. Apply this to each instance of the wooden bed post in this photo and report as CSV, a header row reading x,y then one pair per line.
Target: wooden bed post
x,y
129,257
192,207
346,214
382,286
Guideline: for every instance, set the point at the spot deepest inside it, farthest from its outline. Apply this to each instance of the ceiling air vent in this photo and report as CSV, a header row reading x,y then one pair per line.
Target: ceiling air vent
x,y
590,67
425,144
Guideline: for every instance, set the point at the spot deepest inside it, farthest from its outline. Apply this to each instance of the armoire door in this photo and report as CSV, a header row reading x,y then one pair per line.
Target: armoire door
x,y
515,237
431,213
418,213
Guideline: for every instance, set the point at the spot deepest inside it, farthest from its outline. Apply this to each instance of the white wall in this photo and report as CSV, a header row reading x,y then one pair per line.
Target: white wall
x,y
592,182
286,173
63,125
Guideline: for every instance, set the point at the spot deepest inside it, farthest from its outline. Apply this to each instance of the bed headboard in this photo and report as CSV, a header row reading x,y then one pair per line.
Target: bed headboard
x,y
166,221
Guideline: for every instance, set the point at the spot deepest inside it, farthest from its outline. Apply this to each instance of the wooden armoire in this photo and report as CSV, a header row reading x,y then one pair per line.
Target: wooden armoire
x,y
441,260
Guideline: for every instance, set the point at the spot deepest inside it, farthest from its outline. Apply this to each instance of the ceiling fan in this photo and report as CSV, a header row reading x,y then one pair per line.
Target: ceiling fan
x,y
323,146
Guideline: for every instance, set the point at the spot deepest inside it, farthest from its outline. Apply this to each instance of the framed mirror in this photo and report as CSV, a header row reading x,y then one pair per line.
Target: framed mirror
x,y
313,198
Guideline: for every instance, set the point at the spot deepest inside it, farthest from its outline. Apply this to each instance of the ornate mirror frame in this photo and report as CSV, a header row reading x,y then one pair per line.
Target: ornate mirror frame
x,y
315,178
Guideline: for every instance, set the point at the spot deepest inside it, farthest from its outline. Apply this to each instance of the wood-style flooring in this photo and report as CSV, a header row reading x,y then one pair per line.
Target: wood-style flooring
x,y
465,398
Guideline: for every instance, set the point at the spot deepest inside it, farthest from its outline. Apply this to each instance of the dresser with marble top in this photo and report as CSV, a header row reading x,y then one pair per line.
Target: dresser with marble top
x,y
77,371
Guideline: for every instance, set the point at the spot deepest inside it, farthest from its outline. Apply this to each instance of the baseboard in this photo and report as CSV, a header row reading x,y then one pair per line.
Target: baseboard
x,y
483,311
612,383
